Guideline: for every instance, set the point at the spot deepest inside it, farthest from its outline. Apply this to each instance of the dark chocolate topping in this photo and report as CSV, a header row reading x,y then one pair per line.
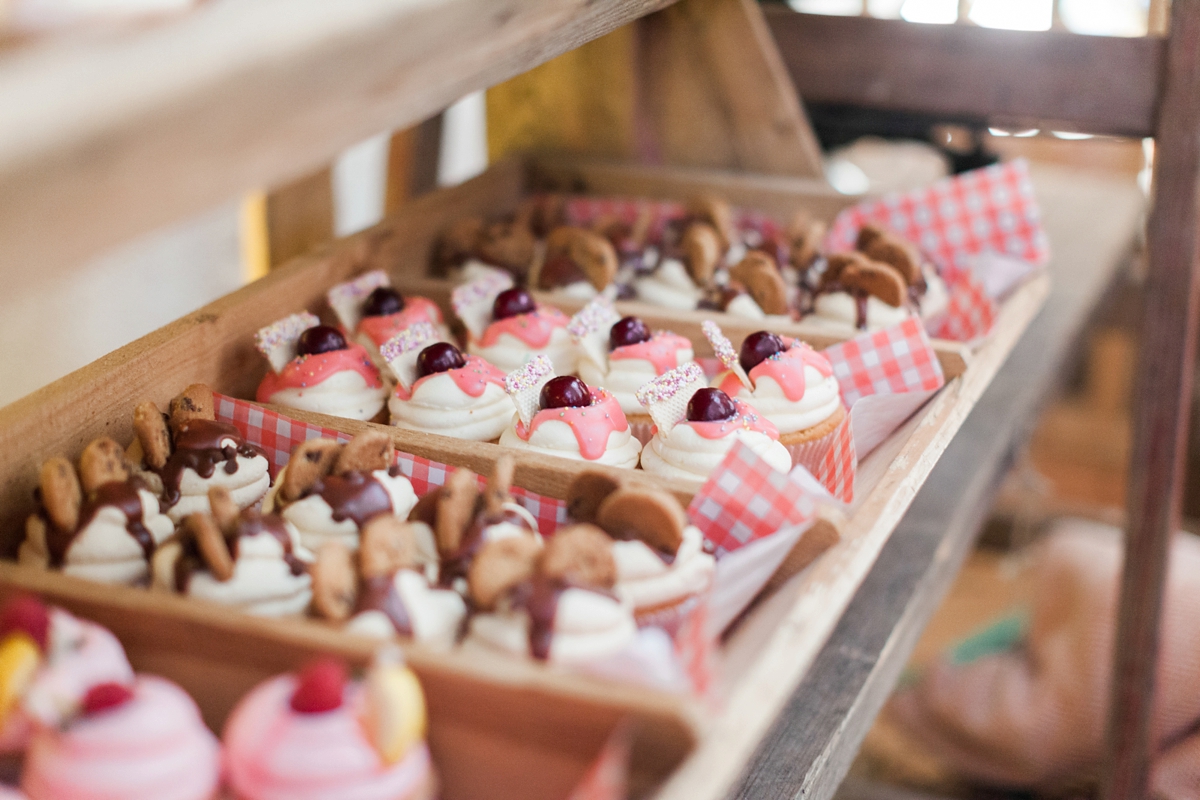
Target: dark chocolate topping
x,y
379,594
198,446
121,495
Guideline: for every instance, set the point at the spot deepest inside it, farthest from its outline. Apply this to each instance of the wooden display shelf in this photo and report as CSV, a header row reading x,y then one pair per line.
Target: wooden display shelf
x,y
499,722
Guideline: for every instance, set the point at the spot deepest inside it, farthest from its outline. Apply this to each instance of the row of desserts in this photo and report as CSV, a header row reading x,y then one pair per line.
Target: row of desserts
x,y
775,390
86,726
701,260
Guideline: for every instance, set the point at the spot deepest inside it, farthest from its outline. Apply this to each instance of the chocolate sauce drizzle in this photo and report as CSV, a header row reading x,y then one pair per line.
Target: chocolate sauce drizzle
x,y
197,446
540,597
355,495
916,292
380,594
458,564
250,523
120,495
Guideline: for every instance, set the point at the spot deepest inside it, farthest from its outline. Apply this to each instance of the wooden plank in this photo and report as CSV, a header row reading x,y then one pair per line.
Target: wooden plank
x,y
106,136
1094,84
412,163
1162,401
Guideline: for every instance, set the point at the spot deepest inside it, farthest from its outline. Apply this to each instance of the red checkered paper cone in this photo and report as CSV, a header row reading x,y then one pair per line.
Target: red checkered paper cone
x,y
608,776
278,435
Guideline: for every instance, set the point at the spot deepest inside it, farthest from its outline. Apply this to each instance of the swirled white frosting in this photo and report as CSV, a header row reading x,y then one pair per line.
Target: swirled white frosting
x,y
436,614
556,438
587,626
743,306
937,296
820,400
625,376
246,486
840,311
437,405
509,353
683,453
313,517
104,550
648,581
669,286
344,394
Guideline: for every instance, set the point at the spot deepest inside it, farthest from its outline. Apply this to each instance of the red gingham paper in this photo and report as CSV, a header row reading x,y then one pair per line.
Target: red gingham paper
x,y
840,463
608,776
970,314
279,435
695,647
896,359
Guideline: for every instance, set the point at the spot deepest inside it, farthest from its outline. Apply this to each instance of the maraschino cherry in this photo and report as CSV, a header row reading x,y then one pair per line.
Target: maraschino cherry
x,y
710,405
512,302
320,339
319,687
381,302
627,331
26,614
104,696
439,357
565,391
758,347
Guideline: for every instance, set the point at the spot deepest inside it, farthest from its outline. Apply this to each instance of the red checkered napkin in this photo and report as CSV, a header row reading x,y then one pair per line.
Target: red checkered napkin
x,y
279,435
892,360
608,776
695,647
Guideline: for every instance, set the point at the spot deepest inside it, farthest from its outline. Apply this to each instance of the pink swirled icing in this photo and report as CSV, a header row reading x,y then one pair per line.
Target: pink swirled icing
x,y
532,329
661,350
275,753
416,309
747,419
471,378
592,425
154,747
307,371
786,368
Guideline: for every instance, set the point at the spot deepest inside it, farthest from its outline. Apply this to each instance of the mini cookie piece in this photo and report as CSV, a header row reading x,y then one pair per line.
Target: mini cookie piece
x,y
500,565
334,584
62,496
881,245
580,555
652,516
590,252
103,461
543,213
837,263
702,250
877,279
456,243
499,485
507,244
426,508
717,213
805,235
152,434
587,492
194,402
758,273
310,461
455,509
211,544
224,510
366,452
387,545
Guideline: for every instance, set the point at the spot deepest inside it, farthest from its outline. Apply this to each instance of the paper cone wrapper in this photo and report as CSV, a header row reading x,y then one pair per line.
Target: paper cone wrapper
x,y
811,454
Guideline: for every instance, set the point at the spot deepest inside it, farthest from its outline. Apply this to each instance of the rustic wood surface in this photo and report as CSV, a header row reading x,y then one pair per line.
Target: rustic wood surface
x,y
1162,404
1095,84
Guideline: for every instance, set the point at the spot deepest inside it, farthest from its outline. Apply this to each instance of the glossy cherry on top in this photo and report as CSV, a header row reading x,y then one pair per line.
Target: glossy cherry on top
x,y
565,391
512,302
711,405
382,301
439,357
627,331
758,347
320,339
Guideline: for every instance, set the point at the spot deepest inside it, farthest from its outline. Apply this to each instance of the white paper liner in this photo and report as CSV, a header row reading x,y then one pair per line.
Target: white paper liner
x,y
742,574
810,454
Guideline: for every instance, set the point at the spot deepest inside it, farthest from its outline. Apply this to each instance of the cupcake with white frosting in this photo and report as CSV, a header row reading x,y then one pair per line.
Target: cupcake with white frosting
x,y
507,328
686,269
578,263
371,311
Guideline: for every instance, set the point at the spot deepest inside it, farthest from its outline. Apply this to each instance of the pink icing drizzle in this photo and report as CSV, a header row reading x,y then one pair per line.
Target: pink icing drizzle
x,y
306,371
785,368
533,329
661,350
471,379
591,425
416,309
747,419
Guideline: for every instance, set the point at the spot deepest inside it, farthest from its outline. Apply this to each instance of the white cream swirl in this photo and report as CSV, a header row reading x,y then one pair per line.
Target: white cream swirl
x,y
669,286
821,399
313,516
556,438
937,295
648,581
344,394
509,353
246,486
587,626
438,405
435,614
684,453
841,310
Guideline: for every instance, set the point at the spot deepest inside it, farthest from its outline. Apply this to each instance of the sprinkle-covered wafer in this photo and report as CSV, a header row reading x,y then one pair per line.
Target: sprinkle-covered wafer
x,y
472,302
152,434
666,397
401,351
758,273
334,582
103,461
723,349
366,452
587,491
702,252
648,515
277,341
524,385
62,496
211,544
499,484
581,555
455,509
590,328
877,279
501,565
346,299
224,510
388,544
194,402
310,462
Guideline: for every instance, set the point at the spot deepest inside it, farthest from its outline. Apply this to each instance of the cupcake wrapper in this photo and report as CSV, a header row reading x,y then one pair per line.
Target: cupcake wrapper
x,y
670,618
810,454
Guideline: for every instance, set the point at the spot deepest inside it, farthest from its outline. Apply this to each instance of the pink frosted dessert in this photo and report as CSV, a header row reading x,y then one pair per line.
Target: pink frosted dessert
x,y
143,741
50,659
317,737
313,368
565,417
506,327
371,311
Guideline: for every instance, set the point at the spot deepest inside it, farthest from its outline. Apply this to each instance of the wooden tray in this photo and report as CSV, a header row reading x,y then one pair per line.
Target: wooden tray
x,y
499,727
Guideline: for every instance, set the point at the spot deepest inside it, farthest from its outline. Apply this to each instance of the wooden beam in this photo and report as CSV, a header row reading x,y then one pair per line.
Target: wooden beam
x,y
1094,84
1162,400
299,217
412,168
